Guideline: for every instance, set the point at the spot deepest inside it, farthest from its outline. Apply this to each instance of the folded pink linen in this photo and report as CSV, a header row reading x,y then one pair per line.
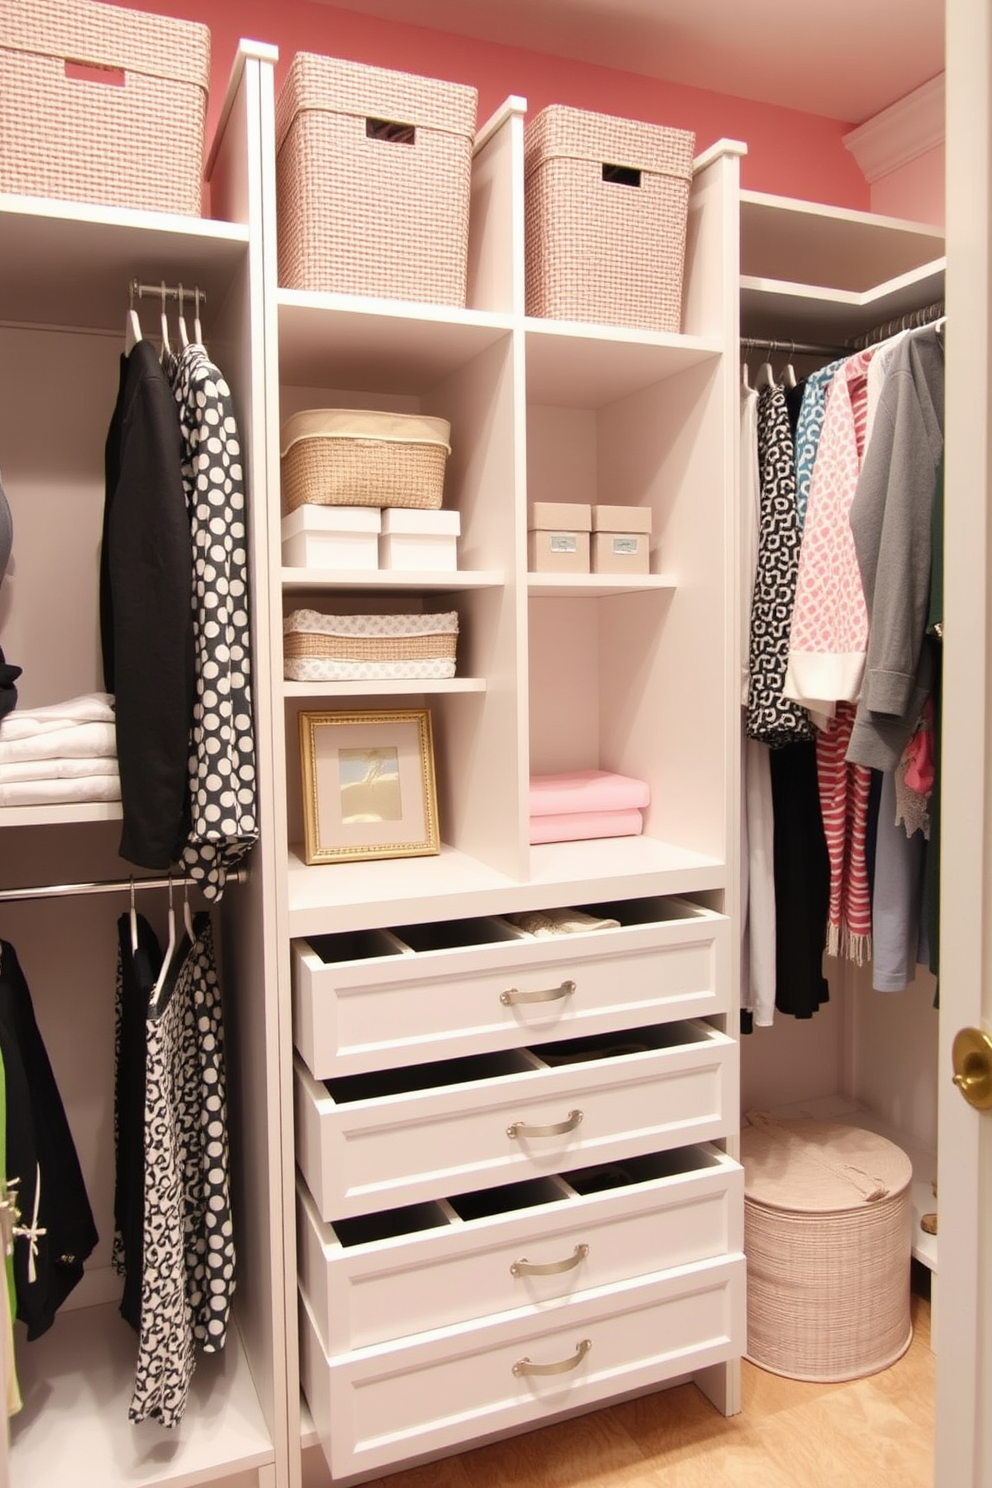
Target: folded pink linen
x,y
586,790
574,826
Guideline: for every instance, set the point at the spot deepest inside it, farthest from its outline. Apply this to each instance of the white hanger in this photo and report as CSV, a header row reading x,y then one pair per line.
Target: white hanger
x,y
788,378
766,374
134,922
160,980
183,336
132,326
166,348
197,332
745,375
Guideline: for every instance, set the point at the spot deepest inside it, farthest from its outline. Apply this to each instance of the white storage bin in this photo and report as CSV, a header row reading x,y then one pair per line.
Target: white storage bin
x,y
424,540
331,537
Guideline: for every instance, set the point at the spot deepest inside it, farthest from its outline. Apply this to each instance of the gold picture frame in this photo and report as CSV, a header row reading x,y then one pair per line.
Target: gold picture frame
x,y
368,785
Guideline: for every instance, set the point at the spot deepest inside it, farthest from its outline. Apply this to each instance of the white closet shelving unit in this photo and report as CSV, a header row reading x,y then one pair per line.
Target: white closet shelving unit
x,y
813,273
409,1067
63,298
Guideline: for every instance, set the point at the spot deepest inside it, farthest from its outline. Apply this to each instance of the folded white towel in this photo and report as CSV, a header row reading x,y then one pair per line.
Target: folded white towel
x,y
57,792
56,769
91,707
72,741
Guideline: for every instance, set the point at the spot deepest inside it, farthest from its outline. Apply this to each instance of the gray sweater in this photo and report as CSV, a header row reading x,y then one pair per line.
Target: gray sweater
x,y
890,520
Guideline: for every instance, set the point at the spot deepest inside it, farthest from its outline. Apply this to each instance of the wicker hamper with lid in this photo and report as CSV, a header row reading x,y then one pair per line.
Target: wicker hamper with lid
x,y
102,104
827,1236
373,181
606,202
360,457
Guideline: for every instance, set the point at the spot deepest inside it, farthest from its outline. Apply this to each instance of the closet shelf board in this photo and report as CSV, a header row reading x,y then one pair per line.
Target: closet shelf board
x,y
398,687
594,586
572,365
784,238
338,341
786,310
74,1430
357,896
302,580
107,248
62,813
845,1109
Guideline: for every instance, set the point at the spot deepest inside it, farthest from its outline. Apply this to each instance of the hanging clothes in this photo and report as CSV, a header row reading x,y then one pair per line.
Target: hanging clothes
x,y
146,622
891,518
809,425
802,882
189,1259
55,1232
137,971
224,817
8,1290
770,718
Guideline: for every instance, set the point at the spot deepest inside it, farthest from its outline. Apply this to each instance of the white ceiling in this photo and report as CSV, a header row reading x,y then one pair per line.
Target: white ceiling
x,y
847,59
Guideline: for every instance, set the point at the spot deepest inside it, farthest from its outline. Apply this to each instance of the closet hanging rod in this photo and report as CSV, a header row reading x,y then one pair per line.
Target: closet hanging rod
x,y
113,886
794,348
167,291
913,320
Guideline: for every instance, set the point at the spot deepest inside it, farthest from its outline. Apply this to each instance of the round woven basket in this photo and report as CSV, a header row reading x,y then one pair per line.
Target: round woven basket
x,y
827,1235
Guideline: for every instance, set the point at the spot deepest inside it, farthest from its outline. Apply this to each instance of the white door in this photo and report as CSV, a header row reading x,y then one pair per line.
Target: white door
x,y
963,1316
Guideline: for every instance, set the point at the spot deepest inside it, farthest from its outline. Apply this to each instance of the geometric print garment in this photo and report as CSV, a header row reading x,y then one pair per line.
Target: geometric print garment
x,y
223,806
188,1272
770,718
808,428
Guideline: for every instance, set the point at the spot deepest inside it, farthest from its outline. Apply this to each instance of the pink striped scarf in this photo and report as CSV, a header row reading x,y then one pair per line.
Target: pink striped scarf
x,y
844,804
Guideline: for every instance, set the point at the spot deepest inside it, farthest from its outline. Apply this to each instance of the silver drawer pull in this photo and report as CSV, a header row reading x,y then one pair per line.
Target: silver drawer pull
x,y
524,1366
555,1129
523,1267
512,997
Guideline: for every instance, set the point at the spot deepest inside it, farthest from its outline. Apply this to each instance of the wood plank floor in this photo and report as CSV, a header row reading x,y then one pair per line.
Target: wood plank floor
x,y
876,1431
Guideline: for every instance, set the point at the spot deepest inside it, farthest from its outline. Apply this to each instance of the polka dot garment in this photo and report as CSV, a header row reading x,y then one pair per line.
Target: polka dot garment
x,y
188,1259
223,807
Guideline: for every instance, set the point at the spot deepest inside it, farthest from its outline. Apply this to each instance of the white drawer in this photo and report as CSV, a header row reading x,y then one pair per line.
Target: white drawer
x,y
392,1402
521,1245
377,999
379,1141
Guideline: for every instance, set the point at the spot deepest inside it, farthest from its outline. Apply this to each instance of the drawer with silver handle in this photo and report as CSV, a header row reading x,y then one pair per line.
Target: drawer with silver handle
x,y
390,1403
380,998
523,1245
396,1137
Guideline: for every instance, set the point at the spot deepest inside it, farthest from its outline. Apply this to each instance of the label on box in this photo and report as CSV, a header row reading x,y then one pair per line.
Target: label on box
x,y
624,544
563,542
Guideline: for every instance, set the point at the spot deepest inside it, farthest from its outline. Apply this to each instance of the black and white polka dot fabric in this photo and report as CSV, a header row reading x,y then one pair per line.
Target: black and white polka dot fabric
x,y
188,1261
223,807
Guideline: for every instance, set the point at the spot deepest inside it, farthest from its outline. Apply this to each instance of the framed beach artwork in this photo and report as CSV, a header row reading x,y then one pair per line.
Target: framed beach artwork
x,y
368,785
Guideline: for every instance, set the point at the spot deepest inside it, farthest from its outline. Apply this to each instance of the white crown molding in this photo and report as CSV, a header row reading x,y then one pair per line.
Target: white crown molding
x,y
900,133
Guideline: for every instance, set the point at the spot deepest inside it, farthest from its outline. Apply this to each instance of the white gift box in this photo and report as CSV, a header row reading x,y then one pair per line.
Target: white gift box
x,y
331,537
425,540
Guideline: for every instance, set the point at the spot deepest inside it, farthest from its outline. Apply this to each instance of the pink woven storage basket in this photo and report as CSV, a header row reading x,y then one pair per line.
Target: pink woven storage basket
x,y
373,180
102,104
605,216
827,1236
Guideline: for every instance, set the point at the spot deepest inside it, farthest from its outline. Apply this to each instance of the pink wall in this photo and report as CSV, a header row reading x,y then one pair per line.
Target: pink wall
x,y
915,190
792,153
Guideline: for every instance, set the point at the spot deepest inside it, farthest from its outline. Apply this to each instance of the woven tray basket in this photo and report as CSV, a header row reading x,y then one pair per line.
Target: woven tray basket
x,y
827,1235
350,457
123,126
319,647
373,181
599,247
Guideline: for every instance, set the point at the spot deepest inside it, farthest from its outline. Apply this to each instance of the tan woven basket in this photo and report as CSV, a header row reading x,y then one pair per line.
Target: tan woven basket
x,y
373,181
102,104
605,217
353,457
827,1235
370,648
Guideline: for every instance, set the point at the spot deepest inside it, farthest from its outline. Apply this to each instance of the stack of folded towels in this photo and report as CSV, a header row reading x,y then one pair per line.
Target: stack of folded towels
x,y
63,752
586,803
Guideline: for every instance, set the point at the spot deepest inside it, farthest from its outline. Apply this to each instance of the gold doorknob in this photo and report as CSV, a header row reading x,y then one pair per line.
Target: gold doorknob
x,y
971,1055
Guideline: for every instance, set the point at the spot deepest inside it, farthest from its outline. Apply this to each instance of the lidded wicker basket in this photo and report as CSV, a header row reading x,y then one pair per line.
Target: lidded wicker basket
x,y
606,202
827,1236
356,457
333,648
102,104
373,181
